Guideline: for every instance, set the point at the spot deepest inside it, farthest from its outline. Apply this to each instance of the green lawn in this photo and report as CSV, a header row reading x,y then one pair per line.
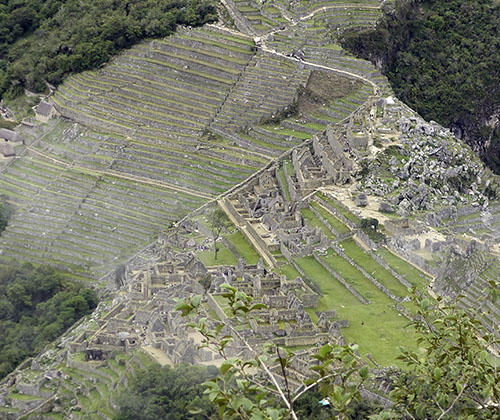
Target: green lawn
x,y
330,218
289,271
244,248
313,220
334,293
355,278
224,257
377,328
365,261
408,271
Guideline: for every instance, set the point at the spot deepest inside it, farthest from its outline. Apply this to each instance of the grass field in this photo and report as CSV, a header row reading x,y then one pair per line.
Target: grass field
x,y
355,278
224,257
377,328
245,249
289,271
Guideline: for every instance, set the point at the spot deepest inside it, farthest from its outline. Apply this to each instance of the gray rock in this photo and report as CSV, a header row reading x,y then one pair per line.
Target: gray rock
x,y
386,207
404,207
404,125
361,200
395,200
451,173
415,244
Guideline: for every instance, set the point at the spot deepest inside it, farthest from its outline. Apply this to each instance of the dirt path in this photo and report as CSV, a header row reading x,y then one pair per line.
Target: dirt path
x,y
322,67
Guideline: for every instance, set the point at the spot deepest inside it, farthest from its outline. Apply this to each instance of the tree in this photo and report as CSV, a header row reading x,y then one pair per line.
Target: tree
x,y
370,223
218,222
452,376
168,393
206,282
36,305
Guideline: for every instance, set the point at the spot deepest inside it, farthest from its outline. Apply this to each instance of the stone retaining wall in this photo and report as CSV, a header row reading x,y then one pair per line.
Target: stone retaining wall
x,y
335,212
340,279
396,246
400,278
379,285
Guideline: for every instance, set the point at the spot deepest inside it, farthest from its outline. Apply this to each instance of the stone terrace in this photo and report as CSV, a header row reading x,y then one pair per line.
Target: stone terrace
x,y
171,123
83,218
268,84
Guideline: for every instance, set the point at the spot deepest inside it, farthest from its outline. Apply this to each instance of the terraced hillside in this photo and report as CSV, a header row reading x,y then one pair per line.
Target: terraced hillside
x,y
162,129
169,125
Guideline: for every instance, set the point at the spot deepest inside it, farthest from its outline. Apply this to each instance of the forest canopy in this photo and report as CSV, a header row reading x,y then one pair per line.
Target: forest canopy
x,y
47,39
168,393
37,304
442,58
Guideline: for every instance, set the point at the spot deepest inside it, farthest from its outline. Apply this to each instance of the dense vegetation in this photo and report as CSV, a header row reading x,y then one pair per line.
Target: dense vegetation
x,y
36,306
169,394
442,58
47,39
177,394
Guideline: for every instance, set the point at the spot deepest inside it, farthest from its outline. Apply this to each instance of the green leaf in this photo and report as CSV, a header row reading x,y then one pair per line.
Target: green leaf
x,y
256,306
247,404
195,301
323,351
363,372
420,411
437,373
226,365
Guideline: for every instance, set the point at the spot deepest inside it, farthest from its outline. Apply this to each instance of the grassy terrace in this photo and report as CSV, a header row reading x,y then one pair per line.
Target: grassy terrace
x,y
365,261
93,389
377,328
266,86
286,189
341,209
314,221
330,218
104,227
244,248
405,269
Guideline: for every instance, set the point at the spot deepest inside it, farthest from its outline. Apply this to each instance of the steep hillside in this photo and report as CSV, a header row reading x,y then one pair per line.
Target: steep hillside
x,y
167,125
442,59
44,41
338,198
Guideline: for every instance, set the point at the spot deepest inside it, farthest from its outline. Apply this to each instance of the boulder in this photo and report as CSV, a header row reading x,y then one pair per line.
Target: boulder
x,y
361,200
385,207
404,208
